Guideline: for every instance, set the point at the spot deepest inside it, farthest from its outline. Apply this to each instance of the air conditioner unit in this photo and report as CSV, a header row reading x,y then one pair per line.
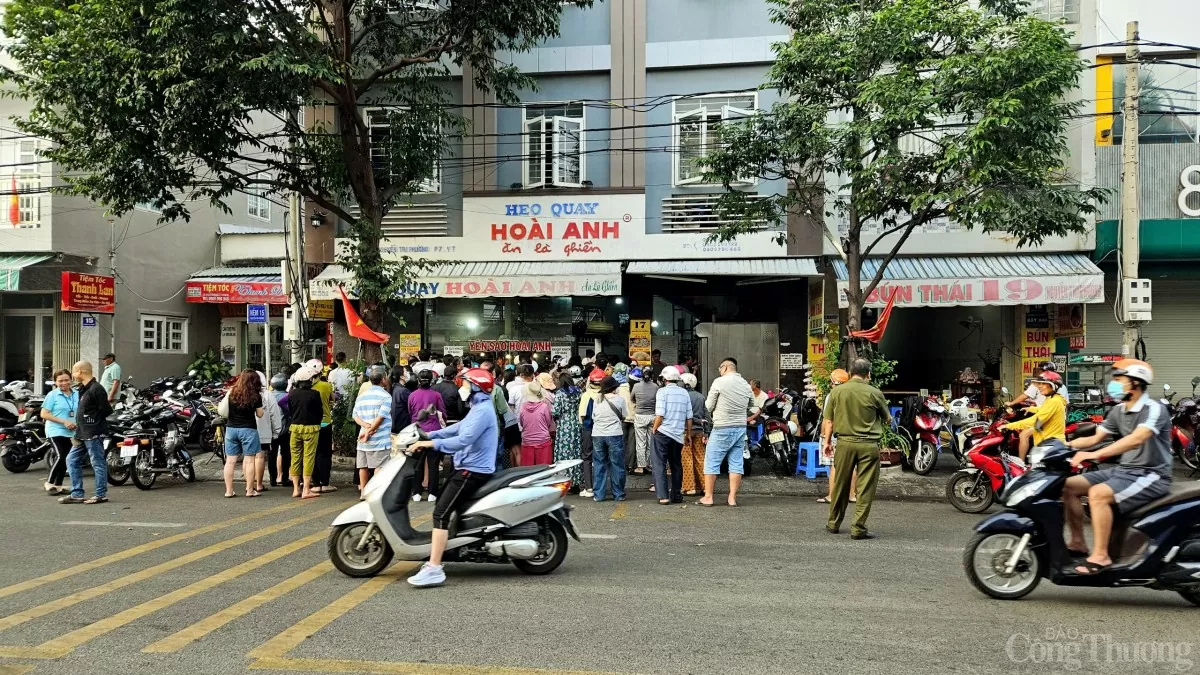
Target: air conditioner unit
x,y
291,327
1136,300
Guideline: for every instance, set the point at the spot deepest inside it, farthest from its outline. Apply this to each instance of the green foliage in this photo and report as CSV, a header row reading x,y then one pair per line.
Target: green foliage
x,y
209,365
345,429
895,113
883,370
169,102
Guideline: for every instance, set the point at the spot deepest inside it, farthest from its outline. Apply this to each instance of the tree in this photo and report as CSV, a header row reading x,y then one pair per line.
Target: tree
x,y
171,101
922,109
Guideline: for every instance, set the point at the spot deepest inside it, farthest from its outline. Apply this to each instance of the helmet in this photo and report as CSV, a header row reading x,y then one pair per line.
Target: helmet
x,y
574,371
839,376
1049,365
635,374
596,375
670,374
620,368
279,382
1138,370
689,380
478,377
1049,377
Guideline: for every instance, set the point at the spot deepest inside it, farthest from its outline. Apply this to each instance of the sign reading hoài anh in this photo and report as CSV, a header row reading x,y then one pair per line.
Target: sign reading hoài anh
x,y
88,293
1083,288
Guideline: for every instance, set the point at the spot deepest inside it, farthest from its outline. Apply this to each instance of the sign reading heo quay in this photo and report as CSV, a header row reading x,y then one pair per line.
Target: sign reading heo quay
x,y
88,293
1058,290
236,292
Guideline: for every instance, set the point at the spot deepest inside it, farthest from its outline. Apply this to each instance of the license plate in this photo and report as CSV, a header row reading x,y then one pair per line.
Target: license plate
x,y
775,436
128,451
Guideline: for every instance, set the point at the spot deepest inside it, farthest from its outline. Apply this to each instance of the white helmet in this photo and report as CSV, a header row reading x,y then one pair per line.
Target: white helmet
x,y
670,374
1134,368
689,380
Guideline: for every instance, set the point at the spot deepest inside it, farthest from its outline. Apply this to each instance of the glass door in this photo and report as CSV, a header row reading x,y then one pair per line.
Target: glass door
x,y
29,349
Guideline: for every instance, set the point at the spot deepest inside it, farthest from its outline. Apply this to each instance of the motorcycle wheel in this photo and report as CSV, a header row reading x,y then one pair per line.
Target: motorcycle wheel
x,y
1191,596
552,537
51,456
189,472
1188,457
143,477
341,545
970,493
118,474
985,558
15,464
924,458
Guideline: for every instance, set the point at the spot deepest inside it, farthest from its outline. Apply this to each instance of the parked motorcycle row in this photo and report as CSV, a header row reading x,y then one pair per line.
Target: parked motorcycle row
x,y
150,429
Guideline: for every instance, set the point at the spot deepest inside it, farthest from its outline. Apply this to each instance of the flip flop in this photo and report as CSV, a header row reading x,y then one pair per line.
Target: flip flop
x,y
231,496
703,504
824,500
1090,567
664,502
733,505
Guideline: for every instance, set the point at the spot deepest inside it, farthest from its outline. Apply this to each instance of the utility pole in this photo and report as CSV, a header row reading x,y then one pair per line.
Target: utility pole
x,y
295,274
1130,208
112,270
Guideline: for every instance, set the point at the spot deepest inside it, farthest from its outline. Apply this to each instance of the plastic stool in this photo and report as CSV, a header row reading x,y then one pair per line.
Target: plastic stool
x,y
809,460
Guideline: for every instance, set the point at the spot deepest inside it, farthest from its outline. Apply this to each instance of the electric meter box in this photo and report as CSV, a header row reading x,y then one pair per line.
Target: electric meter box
x,y
1136,300
290,325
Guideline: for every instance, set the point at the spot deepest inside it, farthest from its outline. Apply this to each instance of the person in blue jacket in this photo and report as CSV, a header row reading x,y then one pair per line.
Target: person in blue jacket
x,y
472,442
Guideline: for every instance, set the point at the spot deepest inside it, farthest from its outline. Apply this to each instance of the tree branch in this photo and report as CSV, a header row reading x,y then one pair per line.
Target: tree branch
x,y
878,276
429,55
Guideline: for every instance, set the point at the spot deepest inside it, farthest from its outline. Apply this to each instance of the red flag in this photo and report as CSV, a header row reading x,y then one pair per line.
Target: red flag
x,y
876,334
14,205
356,326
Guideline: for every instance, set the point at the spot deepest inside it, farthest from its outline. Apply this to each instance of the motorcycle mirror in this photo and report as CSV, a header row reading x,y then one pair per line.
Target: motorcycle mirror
x,y
1004,390
1166,387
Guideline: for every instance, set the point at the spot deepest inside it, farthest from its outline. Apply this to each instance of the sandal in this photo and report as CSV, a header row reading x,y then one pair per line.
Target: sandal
x,y
665,502
824,500
95,500
311,495
252,493
1090,567
703,504
230,495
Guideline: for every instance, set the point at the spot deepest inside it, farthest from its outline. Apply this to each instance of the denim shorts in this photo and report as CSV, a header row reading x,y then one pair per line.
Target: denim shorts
x,y
242,442
725,443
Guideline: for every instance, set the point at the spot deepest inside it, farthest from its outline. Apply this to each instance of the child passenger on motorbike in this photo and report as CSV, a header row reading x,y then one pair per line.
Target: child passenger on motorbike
x,y
1049,419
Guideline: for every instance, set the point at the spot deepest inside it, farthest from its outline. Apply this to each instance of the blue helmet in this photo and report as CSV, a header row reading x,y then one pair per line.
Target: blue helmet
x,y
636,374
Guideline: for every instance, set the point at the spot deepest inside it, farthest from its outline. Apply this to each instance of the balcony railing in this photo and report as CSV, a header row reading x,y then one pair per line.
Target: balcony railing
x,y
698,213
414,220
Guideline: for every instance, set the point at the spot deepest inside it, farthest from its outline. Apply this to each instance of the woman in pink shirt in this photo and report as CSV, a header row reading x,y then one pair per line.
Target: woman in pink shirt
x,y
537,428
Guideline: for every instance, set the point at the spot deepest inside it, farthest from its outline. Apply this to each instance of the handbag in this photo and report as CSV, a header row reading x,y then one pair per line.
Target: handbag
x,y
223,406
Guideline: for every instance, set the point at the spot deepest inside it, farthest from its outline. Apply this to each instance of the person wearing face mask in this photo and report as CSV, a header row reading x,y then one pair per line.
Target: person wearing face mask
x,y
472,442
1142,429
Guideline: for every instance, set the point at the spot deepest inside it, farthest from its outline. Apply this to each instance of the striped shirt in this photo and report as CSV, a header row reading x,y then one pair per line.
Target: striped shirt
x,y
372,404
675,407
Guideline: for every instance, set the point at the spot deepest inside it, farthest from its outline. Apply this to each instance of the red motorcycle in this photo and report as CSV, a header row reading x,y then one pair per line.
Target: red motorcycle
x,y
926,419
994,463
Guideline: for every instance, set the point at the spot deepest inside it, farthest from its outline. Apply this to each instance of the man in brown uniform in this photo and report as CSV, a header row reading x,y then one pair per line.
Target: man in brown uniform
x,y
858,412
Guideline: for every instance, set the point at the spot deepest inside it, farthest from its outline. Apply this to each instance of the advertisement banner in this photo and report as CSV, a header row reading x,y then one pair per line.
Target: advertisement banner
x,y
1037,342
510,345
320,310
410,343
816,307
452,351
560,351
993,291
88,293
236,292
816,348
498,287
639,340
1070,321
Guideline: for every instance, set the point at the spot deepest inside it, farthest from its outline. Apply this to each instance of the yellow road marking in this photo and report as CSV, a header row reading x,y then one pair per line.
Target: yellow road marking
x,y
15,669
69,642
136,550
129,579
619,512
289,639
185,637
396,668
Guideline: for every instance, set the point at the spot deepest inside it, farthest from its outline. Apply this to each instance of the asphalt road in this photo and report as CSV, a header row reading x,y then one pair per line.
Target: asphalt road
x,y
180,580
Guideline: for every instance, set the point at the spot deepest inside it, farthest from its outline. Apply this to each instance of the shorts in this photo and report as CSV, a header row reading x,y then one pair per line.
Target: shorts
x,y
512,436
1132,487
371,459
723,443
455,493
242,442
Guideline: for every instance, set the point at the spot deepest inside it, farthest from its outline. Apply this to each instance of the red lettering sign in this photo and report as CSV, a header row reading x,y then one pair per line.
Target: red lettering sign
x,y
88,293
236,292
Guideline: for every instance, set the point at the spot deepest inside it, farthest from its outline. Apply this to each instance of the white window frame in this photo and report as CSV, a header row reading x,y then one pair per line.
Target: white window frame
x,y
556,126
29,200
429,186
258,205
158,329
705,113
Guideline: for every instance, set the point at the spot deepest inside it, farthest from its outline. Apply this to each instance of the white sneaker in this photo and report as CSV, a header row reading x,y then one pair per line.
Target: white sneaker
x,y
586,493
430,575
431,498
417,497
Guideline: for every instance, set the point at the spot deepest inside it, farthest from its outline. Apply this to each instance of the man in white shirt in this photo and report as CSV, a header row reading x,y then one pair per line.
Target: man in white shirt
x,y
341,377
731,403
516,388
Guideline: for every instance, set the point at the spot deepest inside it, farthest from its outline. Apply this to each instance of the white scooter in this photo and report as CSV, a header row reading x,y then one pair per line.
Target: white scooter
x,y
518,516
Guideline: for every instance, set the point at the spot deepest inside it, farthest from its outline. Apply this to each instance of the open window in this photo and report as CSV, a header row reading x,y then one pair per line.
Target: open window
x,y
378,123
553,145
696,123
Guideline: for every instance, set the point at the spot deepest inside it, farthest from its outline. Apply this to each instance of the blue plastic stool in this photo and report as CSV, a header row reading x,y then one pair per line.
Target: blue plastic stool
x,y
809,460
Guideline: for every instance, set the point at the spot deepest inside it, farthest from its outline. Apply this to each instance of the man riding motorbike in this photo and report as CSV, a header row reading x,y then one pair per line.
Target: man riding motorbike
x,y
473,444
1142,427
1049,419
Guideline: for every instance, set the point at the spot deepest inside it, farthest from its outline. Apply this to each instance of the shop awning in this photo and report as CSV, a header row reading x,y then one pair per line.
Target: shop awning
x,y
944,281
11,266
760,268
493,280
237,285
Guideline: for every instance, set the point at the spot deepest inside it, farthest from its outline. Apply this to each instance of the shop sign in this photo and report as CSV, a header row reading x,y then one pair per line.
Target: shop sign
x,y
639,339
816,307
510,346
560,351
88,321
1188,187
456,352
410,343
1082,288
1037,316
256,313
500,287
1095,358
236,292
320,310
791,361
1037,346
88,293
816,348
1070,322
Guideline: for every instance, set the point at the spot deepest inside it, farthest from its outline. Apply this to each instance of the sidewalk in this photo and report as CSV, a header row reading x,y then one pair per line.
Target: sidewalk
x,y
893,482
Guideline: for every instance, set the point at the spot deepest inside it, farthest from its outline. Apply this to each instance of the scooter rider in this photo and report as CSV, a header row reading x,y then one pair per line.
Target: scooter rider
x,y
473,444
1049,418
1142,427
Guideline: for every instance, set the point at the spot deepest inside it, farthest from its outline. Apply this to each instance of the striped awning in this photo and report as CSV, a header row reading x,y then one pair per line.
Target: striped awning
x,y
764,267
11,266
524,279
967,266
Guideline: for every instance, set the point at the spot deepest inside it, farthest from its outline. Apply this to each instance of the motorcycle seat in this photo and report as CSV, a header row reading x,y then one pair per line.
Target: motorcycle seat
x,y
1180,492
505,478
1085,429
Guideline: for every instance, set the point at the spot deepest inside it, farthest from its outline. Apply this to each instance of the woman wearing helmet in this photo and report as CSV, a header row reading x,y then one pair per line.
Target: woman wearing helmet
x,y
1142,429
1033,393
1049,419
473,444
427,409
587,406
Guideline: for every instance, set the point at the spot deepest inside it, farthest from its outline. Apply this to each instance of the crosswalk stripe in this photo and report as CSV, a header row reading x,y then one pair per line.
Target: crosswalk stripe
x,y
69,642
137,550
137,577
183,638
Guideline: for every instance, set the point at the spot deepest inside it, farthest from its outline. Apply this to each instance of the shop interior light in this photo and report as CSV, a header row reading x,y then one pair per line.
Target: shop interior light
x,y
654,324
472,323
535,355
619,301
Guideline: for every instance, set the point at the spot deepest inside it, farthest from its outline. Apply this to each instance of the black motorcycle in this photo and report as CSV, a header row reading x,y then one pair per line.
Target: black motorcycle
x,y
25,444
158,447
1156,546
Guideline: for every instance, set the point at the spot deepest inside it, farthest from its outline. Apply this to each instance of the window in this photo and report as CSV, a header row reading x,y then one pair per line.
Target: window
x,y
377,122
553,145
257,203
147,206
696,122
27,156
29,201
164,335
